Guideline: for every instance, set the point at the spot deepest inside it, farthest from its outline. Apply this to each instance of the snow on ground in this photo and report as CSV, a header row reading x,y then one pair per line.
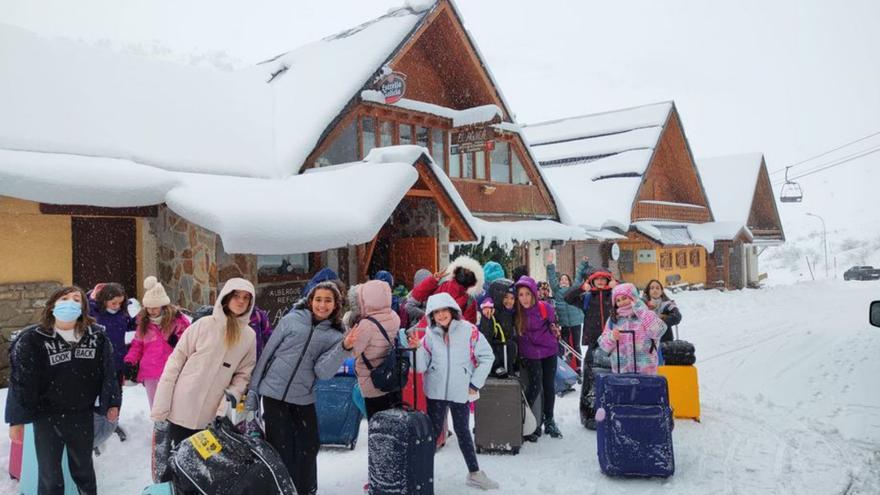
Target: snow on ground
x,y
789,397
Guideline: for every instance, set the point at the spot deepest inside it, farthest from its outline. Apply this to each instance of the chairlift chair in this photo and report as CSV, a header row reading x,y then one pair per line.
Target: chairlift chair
x,y
791,191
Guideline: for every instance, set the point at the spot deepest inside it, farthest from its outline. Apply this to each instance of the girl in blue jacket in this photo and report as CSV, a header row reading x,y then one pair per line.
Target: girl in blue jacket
x,y
456,359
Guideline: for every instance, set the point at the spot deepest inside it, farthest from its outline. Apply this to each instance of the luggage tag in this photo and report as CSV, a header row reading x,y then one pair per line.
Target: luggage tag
x,y
206,444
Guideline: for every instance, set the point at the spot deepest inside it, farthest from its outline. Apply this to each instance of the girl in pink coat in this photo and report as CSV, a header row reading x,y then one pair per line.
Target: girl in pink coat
x,y
629,313
159,326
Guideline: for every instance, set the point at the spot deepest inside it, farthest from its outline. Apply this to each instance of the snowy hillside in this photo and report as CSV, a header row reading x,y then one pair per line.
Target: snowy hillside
x,y
789,396
846,197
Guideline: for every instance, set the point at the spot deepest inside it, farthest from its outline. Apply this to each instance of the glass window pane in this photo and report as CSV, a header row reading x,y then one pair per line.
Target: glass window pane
x,y
385,134
287,264
369,131
343,149
406,134
467,166
437,148
480,165
519,173
422,136
500,162
454,165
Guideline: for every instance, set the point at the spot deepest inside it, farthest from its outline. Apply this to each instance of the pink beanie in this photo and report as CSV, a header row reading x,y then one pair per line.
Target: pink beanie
x,y
628,290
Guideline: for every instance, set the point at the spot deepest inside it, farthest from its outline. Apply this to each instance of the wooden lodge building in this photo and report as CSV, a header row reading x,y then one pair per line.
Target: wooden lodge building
x,y
629,178
375,148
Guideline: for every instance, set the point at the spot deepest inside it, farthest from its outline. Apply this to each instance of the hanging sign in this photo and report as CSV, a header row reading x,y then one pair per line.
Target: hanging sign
x,y
473,139
392,87
615,251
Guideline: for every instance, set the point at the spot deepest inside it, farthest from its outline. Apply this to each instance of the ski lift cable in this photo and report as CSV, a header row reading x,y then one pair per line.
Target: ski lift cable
x,y
821,165
832,165
820,155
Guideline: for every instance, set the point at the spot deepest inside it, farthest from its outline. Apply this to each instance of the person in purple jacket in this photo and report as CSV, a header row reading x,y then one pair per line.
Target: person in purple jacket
x,y
538,346
107,305
260,323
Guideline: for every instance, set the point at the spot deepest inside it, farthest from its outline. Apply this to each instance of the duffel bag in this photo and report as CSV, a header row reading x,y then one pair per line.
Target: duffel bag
x,y
221,460
678,353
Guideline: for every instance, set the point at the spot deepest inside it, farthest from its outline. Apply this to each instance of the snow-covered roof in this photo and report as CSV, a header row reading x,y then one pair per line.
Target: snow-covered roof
x,y
707,233
591,201
60,96
587,137
251,215
503,233
730,183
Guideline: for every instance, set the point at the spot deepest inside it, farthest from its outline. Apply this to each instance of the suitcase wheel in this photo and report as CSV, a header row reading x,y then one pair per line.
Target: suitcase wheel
x,y
515,450
479,450
353,444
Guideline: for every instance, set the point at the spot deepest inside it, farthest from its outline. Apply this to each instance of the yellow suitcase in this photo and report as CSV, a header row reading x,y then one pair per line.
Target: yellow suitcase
x,y
684,390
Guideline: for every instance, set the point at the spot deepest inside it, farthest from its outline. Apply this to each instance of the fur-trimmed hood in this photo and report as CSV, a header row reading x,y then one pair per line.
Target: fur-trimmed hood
x,y
470,264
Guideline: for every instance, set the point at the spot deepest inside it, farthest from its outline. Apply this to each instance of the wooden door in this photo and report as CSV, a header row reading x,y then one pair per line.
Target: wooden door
x,y
105,250
409,255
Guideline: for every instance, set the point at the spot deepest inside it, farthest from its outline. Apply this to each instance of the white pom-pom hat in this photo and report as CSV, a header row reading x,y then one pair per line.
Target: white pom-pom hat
x,y
154,295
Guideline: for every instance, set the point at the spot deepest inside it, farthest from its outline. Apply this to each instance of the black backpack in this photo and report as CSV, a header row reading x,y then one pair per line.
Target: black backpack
x,y
393,373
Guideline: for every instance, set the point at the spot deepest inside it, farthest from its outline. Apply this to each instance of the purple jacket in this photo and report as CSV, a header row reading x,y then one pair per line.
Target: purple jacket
x,y
260,324
538,340
115,326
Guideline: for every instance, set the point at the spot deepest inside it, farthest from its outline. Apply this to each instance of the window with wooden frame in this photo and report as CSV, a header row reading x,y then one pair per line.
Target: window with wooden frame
x,y
282,268
681,259
665,260
695,257
376,132
343,149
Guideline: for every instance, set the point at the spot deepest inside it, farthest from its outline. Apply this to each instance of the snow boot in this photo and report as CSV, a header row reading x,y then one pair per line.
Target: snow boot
x,y
551,429
479,480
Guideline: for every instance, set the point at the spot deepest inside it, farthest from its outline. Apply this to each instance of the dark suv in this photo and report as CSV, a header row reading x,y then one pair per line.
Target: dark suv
x,y
862,273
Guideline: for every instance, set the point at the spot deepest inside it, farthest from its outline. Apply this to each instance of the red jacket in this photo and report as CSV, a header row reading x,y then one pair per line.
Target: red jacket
x,y
431,286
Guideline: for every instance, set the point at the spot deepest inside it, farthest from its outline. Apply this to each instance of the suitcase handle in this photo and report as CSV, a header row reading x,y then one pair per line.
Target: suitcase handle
x,y
635,364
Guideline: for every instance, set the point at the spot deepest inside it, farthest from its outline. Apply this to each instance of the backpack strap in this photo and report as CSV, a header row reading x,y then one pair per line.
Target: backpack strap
x,y
384,334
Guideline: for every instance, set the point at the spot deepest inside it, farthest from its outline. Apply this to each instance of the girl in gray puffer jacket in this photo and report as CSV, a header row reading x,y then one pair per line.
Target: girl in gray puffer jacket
x,y
306,346
456,359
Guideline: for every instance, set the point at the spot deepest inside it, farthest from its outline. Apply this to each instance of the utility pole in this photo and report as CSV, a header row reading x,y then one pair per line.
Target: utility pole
x,y
824,241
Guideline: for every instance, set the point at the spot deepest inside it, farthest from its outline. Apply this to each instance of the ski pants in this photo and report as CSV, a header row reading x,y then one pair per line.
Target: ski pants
x,y
542,375
293,431
76,432
461,416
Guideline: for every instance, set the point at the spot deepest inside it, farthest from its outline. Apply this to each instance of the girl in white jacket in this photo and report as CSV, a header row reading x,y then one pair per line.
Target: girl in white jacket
x,y
456,359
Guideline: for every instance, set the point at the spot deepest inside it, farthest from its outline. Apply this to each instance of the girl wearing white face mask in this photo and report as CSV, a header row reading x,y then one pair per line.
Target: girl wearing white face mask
x,y
62,367
159,327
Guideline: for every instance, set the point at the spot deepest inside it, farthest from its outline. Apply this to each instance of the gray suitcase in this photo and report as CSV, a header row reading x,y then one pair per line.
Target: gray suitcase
x,y
498,416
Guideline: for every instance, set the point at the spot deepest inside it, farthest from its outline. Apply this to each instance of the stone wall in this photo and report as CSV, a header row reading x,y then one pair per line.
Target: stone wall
x,y
186,260
191,262
21,304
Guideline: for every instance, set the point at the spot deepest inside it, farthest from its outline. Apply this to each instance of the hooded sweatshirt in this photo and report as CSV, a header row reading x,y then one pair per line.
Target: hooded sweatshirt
x,y
202,369
445,356
414,308
537,340
374,300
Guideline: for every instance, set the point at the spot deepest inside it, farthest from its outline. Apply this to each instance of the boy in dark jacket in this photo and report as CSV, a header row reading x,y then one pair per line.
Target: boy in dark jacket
x,y
594,298
497,325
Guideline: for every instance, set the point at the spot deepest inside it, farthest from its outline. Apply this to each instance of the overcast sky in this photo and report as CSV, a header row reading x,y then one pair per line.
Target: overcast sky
x,y
791,78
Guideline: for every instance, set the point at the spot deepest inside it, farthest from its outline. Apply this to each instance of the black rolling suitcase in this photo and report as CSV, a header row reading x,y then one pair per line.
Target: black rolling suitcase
x,y
401,452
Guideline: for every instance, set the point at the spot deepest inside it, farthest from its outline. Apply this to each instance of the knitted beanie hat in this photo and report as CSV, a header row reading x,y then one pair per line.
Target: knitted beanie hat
x,y
154,295
628,290
487,303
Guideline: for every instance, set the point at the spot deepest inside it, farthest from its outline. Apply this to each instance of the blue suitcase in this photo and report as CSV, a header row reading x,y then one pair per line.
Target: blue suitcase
x,y
166,488
401,451
339,419
634,425
565,377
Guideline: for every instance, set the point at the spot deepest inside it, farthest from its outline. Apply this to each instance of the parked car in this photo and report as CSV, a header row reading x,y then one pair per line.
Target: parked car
x,y
862,273
874,313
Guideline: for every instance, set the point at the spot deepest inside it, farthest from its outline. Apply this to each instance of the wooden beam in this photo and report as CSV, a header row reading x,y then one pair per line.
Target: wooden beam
x,y
419,193
99,211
